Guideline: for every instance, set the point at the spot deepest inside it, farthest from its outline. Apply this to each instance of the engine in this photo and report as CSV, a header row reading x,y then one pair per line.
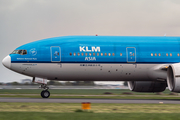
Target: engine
x,y
147,86
173,77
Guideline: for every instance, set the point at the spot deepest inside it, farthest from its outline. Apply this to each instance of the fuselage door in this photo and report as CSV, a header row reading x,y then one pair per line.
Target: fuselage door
x,y
55,54
131,54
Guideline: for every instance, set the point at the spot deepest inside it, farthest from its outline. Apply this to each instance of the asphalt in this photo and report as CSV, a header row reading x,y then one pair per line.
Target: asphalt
x,y
51,100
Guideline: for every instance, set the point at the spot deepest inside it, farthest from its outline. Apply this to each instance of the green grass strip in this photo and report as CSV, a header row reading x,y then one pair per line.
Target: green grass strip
x,y
87,116
95,108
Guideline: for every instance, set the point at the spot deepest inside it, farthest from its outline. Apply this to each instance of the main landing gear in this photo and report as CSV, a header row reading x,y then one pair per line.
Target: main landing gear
x,y
45,93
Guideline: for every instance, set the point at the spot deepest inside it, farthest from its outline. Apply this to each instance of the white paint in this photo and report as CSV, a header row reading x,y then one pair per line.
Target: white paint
x,y
90,58
7,61
86,49
96,49
101,72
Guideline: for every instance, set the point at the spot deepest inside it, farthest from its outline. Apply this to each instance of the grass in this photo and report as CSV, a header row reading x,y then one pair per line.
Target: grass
x,y
72,111
46,111
87,116
95,108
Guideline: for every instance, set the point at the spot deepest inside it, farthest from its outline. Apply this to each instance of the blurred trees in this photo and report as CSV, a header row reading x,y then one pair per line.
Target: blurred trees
x,y
14,83
57,83
86,83
68,83
52,82
125,83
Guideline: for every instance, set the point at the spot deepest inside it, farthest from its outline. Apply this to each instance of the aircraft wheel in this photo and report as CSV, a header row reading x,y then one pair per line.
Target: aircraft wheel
x,y
45,94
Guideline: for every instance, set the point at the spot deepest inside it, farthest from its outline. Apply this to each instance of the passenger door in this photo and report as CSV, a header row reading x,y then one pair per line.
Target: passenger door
x,y
131,54
55,54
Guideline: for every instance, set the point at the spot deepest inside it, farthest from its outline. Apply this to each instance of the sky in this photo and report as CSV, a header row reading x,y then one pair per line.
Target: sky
x,y
24,21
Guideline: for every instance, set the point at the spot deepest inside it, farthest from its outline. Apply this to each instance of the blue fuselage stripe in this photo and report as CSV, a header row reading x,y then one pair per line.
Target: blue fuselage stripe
x,y
101,49
95,62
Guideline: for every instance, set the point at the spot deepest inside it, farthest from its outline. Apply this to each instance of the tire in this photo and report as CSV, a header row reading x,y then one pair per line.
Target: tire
x,y
45,94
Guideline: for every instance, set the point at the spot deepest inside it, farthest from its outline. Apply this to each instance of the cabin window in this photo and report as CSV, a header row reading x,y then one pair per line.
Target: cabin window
x,y
109,54
166,54
74,54
151,54
178,54
105,54
89,54
86,54
159,54
21,52
97,54
82,54
155,54
15,52
101,54
94,54
78,54
70,54
170,54
113,54
120,54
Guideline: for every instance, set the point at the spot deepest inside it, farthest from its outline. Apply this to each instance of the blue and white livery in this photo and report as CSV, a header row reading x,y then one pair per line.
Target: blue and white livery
x,y
149,64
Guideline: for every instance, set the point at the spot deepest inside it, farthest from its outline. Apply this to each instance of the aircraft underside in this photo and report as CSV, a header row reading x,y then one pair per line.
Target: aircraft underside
x,y
95,72
140,77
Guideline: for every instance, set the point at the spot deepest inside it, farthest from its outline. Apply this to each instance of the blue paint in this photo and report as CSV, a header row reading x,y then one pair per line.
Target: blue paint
x,y
42,51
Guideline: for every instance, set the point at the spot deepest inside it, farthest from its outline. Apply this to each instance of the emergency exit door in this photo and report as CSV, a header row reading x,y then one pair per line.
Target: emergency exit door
x,y
55,54
131,54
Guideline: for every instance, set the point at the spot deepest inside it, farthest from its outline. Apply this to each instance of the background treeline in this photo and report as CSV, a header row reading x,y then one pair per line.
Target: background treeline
x,y
57,83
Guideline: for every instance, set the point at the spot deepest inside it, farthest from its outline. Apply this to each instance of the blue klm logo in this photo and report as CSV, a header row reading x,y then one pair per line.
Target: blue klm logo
x,y
33,51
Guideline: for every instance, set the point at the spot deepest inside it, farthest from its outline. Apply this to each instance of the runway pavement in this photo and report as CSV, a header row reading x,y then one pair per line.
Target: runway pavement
x,y
51,100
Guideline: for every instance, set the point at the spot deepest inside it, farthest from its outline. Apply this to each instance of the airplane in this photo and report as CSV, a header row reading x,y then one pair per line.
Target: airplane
x,y
149,64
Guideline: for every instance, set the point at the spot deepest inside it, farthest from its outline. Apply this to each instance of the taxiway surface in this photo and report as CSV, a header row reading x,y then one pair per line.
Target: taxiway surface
x,y
51,100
